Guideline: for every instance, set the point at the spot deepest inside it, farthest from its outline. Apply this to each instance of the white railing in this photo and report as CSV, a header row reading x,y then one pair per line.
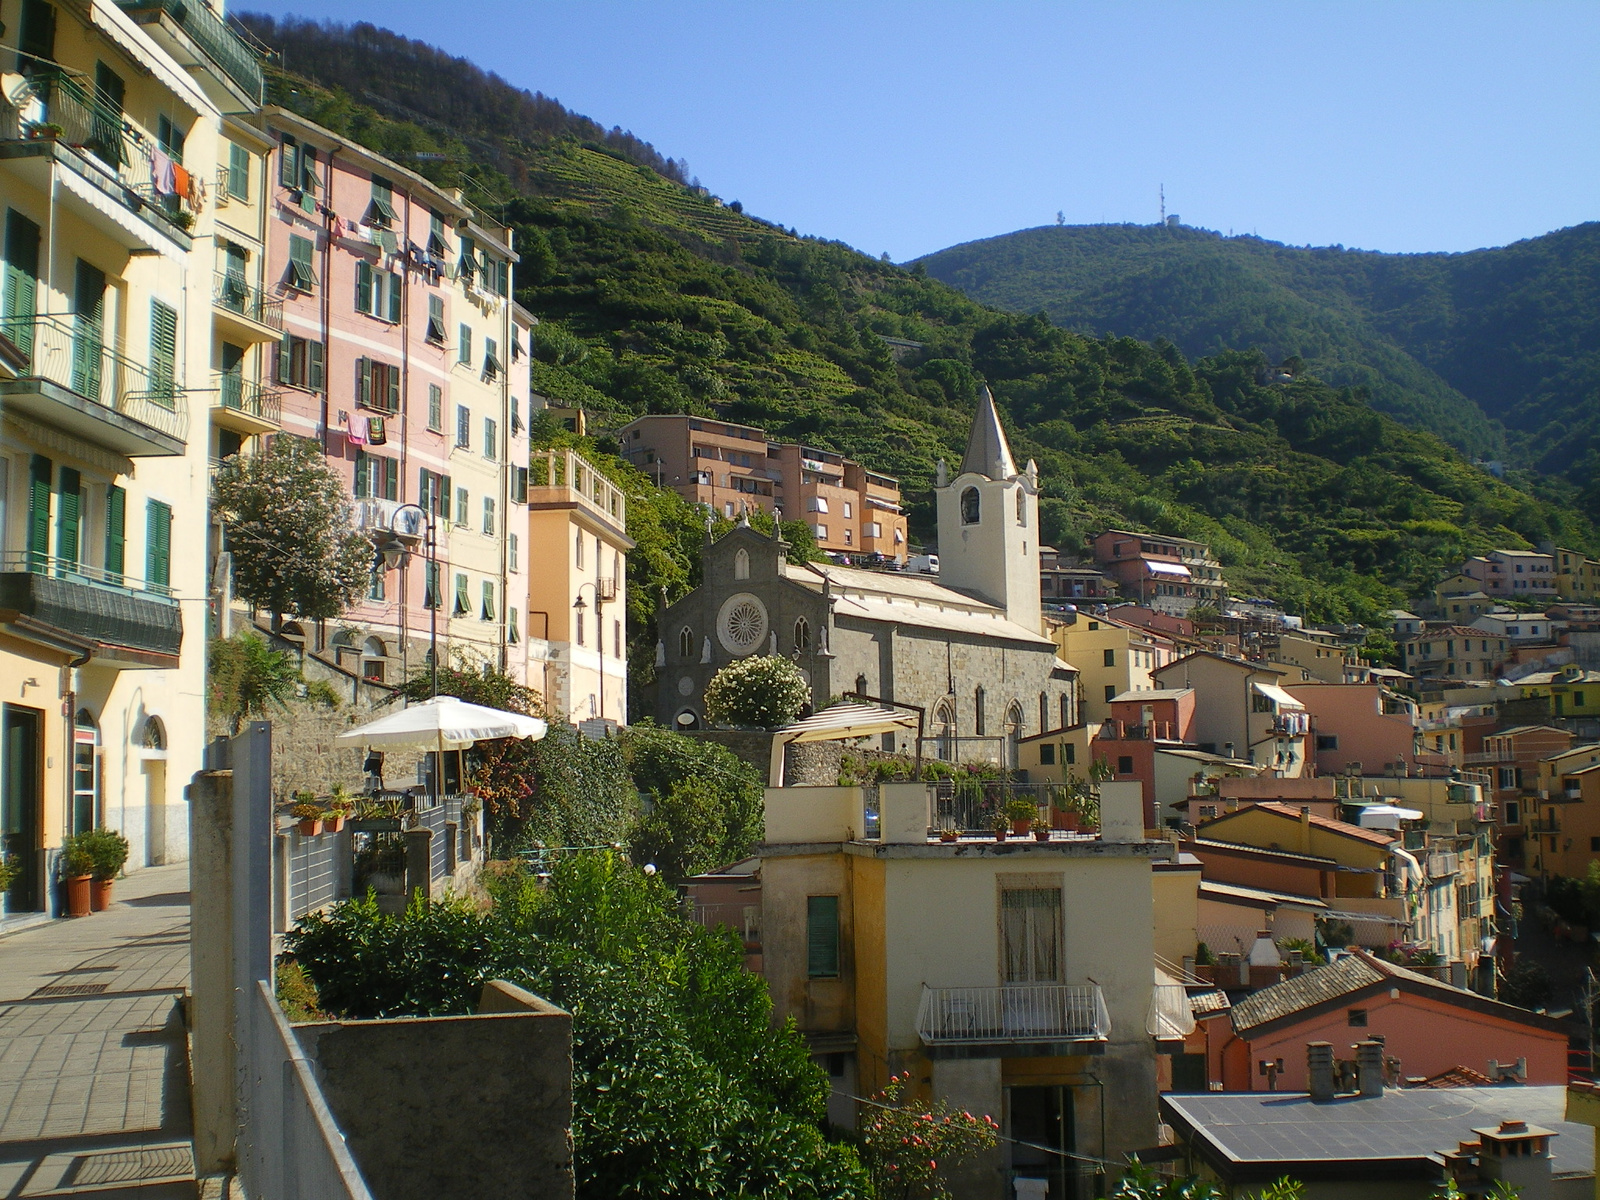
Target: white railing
x,y
1170,1017
1443,865
1020,1012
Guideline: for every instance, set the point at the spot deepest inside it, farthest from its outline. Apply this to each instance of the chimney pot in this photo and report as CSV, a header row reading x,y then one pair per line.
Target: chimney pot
x,y
1319,1071
1369,1067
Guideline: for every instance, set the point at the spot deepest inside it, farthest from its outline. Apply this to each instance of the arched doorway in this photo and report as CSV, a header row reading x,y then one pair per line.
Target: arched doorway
x,y
944,731
1013,735
153,760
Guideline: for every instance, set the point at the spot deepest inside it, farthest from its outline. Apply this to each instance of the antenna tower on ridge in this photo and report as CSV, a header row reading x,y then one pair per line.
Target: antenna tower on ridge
x,y
1163,204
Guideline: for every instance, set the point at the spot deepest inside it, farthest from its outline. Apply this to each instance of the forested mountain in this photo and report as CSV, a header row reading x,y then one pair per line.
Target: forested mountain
x,y
655,297
1456,343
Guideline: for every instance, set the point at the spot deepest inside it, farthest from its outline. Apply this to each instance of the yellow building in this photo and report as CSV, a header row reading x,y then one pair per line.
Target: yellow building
x,y
1577,576
1057,755
1320,655
1111,658
1569,691
1564,813
111,328
1012,979
577,588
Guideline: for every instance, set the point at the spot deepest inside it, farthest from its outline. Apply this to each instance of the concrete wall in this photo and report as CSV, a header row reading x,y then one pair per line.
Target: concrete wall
x,y
454,1106
797,816
1175,906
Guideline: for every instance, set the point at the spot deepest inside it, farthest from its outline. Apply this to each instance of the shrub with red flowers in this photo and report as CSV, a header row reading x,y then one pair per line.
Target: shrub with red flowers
x,y
904,1143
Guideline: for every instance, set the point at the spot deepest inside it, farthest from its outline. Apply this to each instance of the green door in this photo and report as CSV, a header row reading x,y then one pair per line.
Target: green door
x,y
20,284
21,802
88,330
69,520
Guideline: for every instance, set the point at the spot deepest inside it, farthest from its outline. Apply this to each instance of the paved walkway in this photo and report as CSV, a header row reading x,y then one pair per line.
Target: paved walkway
x,y
94,1074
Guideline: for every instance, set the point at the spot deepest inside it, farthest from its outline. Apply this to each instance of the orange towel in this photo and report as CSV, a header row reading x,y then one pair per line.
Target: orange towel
x,y
181,180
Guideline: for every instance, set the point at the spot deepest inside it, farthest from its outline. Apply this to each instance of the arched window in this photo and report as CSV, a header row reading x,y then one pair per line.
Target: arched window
x,y
685,642
85,772
802,632
977,712
1022,506
969,506
687,720
154,734
861,684
944,731
373,652
741,565
1044,712
1013,734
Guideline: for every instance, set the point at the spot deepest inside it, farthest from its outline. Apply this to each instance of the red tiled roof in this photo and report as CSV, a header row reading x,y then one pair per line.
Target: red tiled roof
x,y
1328,824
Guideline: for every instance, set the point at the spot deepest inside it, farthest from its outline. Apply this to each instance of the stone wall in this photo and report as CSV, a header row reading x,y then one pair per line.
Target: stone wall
x,y
454,1106
812,764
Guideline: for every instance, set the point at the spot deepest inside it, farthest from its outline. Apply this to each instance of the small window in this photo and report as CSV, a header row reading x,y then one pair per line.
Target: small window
x,y
435,408
741,565
1022,507
381,211
802,634
238,172
1110,658
970,507
301,276
463,507
492,367
1125,764
1356,1018
512,552
1111,692
822,937
430,585
463,427
1047,755
435,331
1327,741
685,642
1594,844
486,612
491,438
488,514
463,605
513,626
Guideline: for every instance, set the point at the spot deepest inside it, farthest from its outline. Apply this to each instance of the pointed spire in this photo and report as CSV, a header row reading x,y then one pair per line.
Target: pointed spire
x,y
988,452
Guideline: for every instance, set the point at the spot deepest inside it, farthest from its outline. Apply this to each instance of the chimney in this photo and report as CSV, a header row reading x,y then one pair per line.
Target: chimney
x,y
1319,1071
1305,829
1369,1067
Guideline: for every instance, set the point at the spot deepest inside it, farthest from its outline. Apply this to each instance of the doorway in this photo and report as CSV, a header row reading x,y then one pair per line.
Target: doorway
x,y
22,802
1039,1122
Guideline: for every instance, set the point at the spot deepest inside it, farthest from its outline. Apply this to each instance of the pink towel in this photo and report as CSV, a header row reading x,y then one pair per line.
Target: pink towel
x,y
357,433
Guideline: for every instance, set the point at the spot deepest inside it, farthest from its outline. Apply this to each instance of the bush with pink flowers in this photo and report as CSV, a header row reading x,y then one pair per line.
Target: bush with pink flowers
x,y
905,1143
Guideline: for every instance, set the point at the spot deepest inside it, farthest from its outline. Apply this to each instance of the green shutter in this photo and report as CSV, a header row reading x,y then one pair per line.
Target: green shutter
x,y
314,366
39,471
163,350
69,517
288,163
391,479
822,937
394,388
465,353
394,298
364,381
116,532
463,599
363,465
238,172
286,359
158,545
487,612
20,282
363,286
88,348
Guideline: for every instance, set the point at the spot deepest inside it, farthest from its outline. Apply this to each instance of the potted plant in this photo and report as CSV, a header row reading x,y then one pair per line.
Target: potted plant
x,y
310,818
949,835
1000,827
9,870
77,867
45,131
1205,963
340,806
108,850
1021,813
1041,829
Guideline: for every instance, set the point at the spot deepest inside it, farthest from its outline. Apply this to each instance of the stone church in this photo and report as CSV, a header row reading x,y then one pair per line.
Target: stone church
x,y
966,647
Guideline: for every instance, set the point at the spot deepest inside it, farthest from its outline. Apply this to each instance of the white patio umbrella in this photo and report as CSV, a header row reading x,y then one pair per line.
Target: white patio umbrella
x,y
444,723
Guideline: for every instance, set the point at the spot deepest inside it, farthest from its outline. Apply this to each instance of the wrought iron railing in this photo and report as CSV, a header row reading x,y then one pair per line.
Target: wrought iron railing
x,y
237,296
236,392
1020,1012
35,563
76,357
219,43
976,806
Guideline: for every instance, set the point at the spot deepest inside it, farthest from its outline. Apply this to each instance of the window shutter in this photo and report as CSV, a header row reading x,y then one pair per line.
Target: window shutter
x,y
519,486
364,286
465,352
391,479
364,381
69,516
314,366
822,936
435,406
116,531
487,611
308,168
394,298
288,163
463,599
394,389
286,359
163,348
445,493
39,470
363,465
238,171
158,545
19,283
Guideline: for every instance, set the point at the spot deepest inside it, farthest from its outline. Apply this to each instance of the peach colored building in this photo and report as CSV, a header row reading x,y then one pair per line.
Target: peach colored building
x,y
1428,1025
730,467
1365,724
403,357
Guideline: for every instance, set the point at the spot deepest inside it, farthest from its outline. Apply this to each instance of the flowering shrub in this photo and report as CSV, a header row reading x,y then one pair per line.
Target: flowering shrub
x,y
903,1142
764,691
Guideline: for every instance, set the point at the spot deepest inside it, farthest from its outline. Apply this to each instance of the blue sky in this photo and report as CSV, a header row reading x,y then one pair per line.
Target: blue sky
x,y
908,127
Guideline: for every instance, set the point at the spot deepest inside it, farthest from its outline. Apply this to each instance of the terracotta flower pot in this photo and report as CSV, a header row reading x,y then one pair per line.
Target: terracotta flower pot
x,y
948,837
1021,827
999,834
1069,821
78,895
1041,835
310,826
334,823
99,894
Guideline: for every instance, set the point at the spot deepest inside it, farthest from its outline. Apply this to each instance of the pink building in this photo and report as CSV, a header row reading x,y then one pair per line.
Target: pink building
x,y
1363,724
404,357
1140,723
1519,574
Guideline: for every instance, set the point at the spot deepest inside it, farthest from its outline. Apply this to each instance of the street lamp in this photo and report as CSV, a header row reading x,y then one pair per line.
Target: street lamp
x,y
394,553
599,631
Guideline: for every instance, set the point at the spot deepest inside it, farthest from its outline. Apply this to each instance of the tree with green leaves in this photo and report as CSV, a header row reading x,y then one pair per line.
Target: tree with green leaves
x,y
286,521
763,691
706,804
246,677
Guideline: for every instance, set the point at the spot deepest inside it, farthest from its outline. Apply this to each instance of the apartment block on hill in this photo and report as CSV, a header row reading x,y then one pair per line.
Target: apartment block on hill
x,y
1566,791
1064,579
124,174
404,358
730,467
1512,758
1242,710
1170,574
1453,652
1112,657
1517,574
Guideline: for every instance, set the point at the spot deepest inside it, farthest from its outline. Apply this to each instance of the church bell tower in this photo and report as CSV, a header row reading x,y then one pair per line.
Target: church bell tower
x,y
989,523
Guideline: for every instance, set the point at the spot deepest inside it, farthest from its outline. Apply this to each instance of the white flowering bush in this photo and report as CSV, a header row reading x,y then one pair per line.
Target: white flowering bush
x,y
763,691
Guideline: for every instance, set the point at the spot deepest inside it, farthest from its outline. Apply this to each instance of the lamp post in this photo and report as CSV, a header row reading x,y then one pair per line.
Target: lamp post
x,y
393,553
599,632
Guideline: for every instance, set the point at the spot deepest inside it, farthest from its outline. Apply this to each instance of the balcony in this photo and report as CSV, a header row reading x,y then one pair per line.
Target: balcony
x,y
74,383
244,406
1028,1018
197,37
107,177
88,609
246,313
1443,864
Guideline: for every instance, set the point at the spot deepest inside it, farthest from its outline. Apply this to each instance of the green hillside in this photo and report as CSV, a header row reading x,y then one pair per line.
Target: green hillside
x,y
1497,351
655,297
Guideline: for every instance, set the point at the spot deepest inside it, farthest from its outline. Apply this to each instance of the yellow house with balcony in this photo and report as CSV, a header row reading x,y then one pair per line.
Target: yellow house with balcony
x,y
1014,979
111,127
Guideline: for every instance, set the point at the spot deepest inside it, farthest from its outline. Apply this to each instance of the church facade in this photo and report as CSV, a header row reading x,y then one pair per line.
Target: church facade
x,y
967,648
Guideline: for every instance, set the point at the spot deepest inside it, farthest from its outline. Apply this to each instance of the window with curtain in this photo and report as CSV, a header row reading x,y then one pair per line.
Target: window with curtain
x,y
1030,934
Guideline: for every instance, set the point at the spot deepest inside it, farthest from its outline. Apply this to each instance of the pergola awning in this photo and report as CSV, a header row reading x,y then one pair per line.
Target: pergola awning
x,y
840,723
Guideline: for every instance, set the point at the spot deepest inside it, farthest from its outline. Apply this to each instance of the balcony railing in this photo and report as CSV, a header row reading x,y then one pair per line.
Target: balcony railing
x,y
219,43
76,358
975,807
1022,1012
91,603
237,393
237,296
